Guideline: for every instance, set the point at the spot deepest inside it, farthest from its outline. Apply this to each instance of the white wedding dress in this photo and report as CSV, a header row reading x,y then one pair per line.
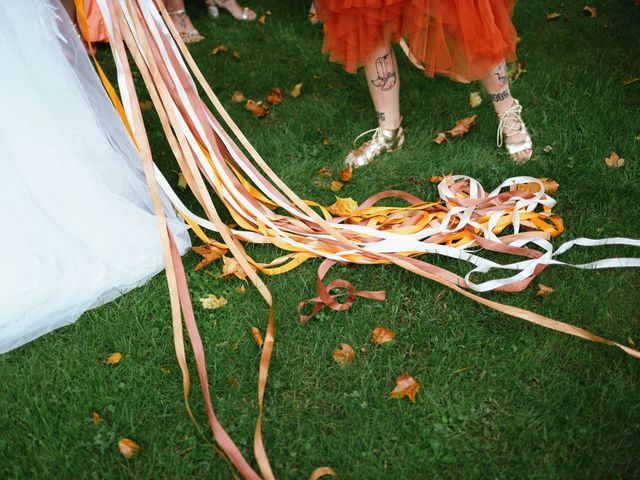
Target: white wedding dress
x,y
77,227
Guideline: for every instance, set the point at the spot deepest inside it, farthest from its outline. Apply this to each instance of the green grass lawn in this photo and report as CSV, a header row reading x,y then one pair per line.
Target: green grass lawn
x,y
530,402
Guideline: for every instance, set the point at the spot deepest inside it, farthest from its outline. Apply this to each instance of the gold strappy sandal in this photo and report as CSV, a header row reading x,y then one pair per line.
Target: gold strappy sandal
x,y
383,141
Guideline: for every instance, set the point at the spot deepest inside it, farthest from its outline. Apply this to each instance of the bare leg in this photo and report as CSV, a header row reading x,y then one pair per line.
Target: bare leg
x,y
182,22
384,85
496,82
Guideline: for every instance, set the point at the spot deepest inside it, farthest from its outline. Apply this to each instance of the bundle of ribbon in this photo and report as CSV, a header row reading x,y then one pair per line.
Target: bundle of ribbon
x,y
267,211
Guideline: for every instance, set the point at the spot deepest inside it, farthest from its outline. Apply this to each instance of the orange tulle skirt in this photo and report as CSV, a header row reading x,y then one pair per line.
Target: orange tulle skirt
x,y
461,39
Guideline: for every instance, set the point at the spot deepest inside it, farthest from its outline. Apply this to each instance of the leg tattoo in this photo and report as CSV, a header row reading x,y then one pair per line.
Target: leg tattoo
x,y
502,75
380,116
386,72
499,97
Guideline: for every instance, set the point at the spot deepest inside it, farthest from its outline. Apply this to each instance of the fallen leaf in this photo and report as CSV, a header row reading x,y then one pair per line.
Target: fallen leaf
x,y
630,80
345,355
146,105
515,70
543,290
553,16
212,302
343,207
231,268
518,40
295,93
257,108
440,138
381,335
165,370
128,448
414,181
210,254
218,49
590,11
614,160
547,149
257,336
114,358
238,97
236,54
231,380
406,386
241,289
630,341
96,418
475,99
276,96
261,20
324,172
346,173
436,178
550,186
336,186
182,182
463,126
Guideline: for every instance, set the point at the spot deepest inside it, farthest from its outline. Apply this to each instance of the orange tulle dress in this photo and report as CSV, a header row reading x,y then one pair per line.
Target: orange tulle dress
x,y
461,39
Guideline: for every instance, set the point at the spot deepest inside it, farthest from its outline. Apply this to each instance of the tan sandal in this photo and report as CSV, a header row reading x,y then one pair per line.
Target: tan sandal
x,y
511,124
383,141
188,36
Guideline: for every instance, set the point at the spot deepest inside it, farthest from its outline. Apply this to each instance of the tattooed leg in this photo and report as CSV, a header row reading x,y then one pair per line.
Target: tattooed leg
x,y
384,86
386,72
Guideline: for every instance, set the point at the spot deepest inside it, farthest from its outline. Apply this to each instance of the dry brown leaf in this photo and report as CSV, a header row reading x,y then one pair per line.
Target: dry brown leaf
x,y
381,335
590,11
324,172
212,302
346,173
232,268
295,93
436,178
553,16
550,186
96,418
276,96
128,448
114,358
630,341
258,109
614,160
236,54
440,138
218,49
414,181
336,186
146,105
210,254
543,290
238,97
343,207
257,336
475,99
515,71
463,126
261,20
630,80
406,386
344,355
241,289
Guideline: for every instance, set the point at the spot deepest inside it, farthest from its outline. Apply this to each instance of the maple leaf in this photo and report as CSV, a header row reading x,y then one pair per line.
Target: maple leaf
x,y
406,386
257,108
543,290
238,97
343,207
324,172
231,268
96,418
344,355
218,49
212,302
475,99
553,16
590,11
276,96
440,138
236,54
346,173
146,105
336,186
128,448
114,358
614,160
381,335
550,186
295,93
463,126
257,336
210,254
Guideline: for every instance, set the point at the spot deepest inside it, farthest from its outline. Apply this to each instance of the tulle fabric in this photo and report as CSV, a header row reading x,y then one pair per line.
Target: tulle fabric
x,y
461,39
77,227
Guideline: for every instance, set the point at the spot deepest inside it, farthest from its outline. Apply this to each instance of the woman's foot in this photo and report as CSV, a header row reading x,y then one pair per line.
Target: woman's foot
x,y
383,141
187,31
231,6
513,133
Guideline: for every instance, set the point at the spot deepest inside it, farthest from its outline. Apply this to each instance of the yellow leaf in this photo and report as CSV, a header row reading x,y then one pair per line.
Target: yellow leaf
x,y
128,448
381,335
440,138
543,290
257,108
182,182
236,54
406,386
231,268
146,105
515,70
95,416
210,254
553,16
590,11
324,172
276,96
630,80
631,342
211,302
114,358
336,186
241,289
231,380
165,370
346,173
295,93
463,126
344,355
238,97
475,99
343,207
436,178
261,20
614,160
257,336
218,49
550,186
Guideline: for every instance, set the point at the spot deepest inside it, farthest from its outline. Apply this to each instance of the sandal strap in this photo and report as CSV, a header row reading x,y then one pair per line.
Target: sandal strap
x,y
508,121
177,12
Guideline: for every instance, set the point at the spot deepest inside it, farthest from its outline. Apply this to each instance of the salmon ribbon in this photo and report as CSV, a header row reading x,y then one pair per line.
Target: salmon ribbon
x,y
465,219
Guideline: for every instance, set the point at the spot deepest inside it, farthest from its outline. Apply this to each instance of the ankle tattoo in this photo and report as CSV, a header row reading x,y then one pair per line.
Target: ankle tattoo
x,y
381,117
501,96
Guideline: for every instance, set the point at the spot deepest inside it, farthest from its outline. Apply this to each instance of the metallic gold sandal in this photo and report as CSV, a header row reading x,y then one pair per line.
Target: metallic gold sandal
x,y
383,141
511,124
